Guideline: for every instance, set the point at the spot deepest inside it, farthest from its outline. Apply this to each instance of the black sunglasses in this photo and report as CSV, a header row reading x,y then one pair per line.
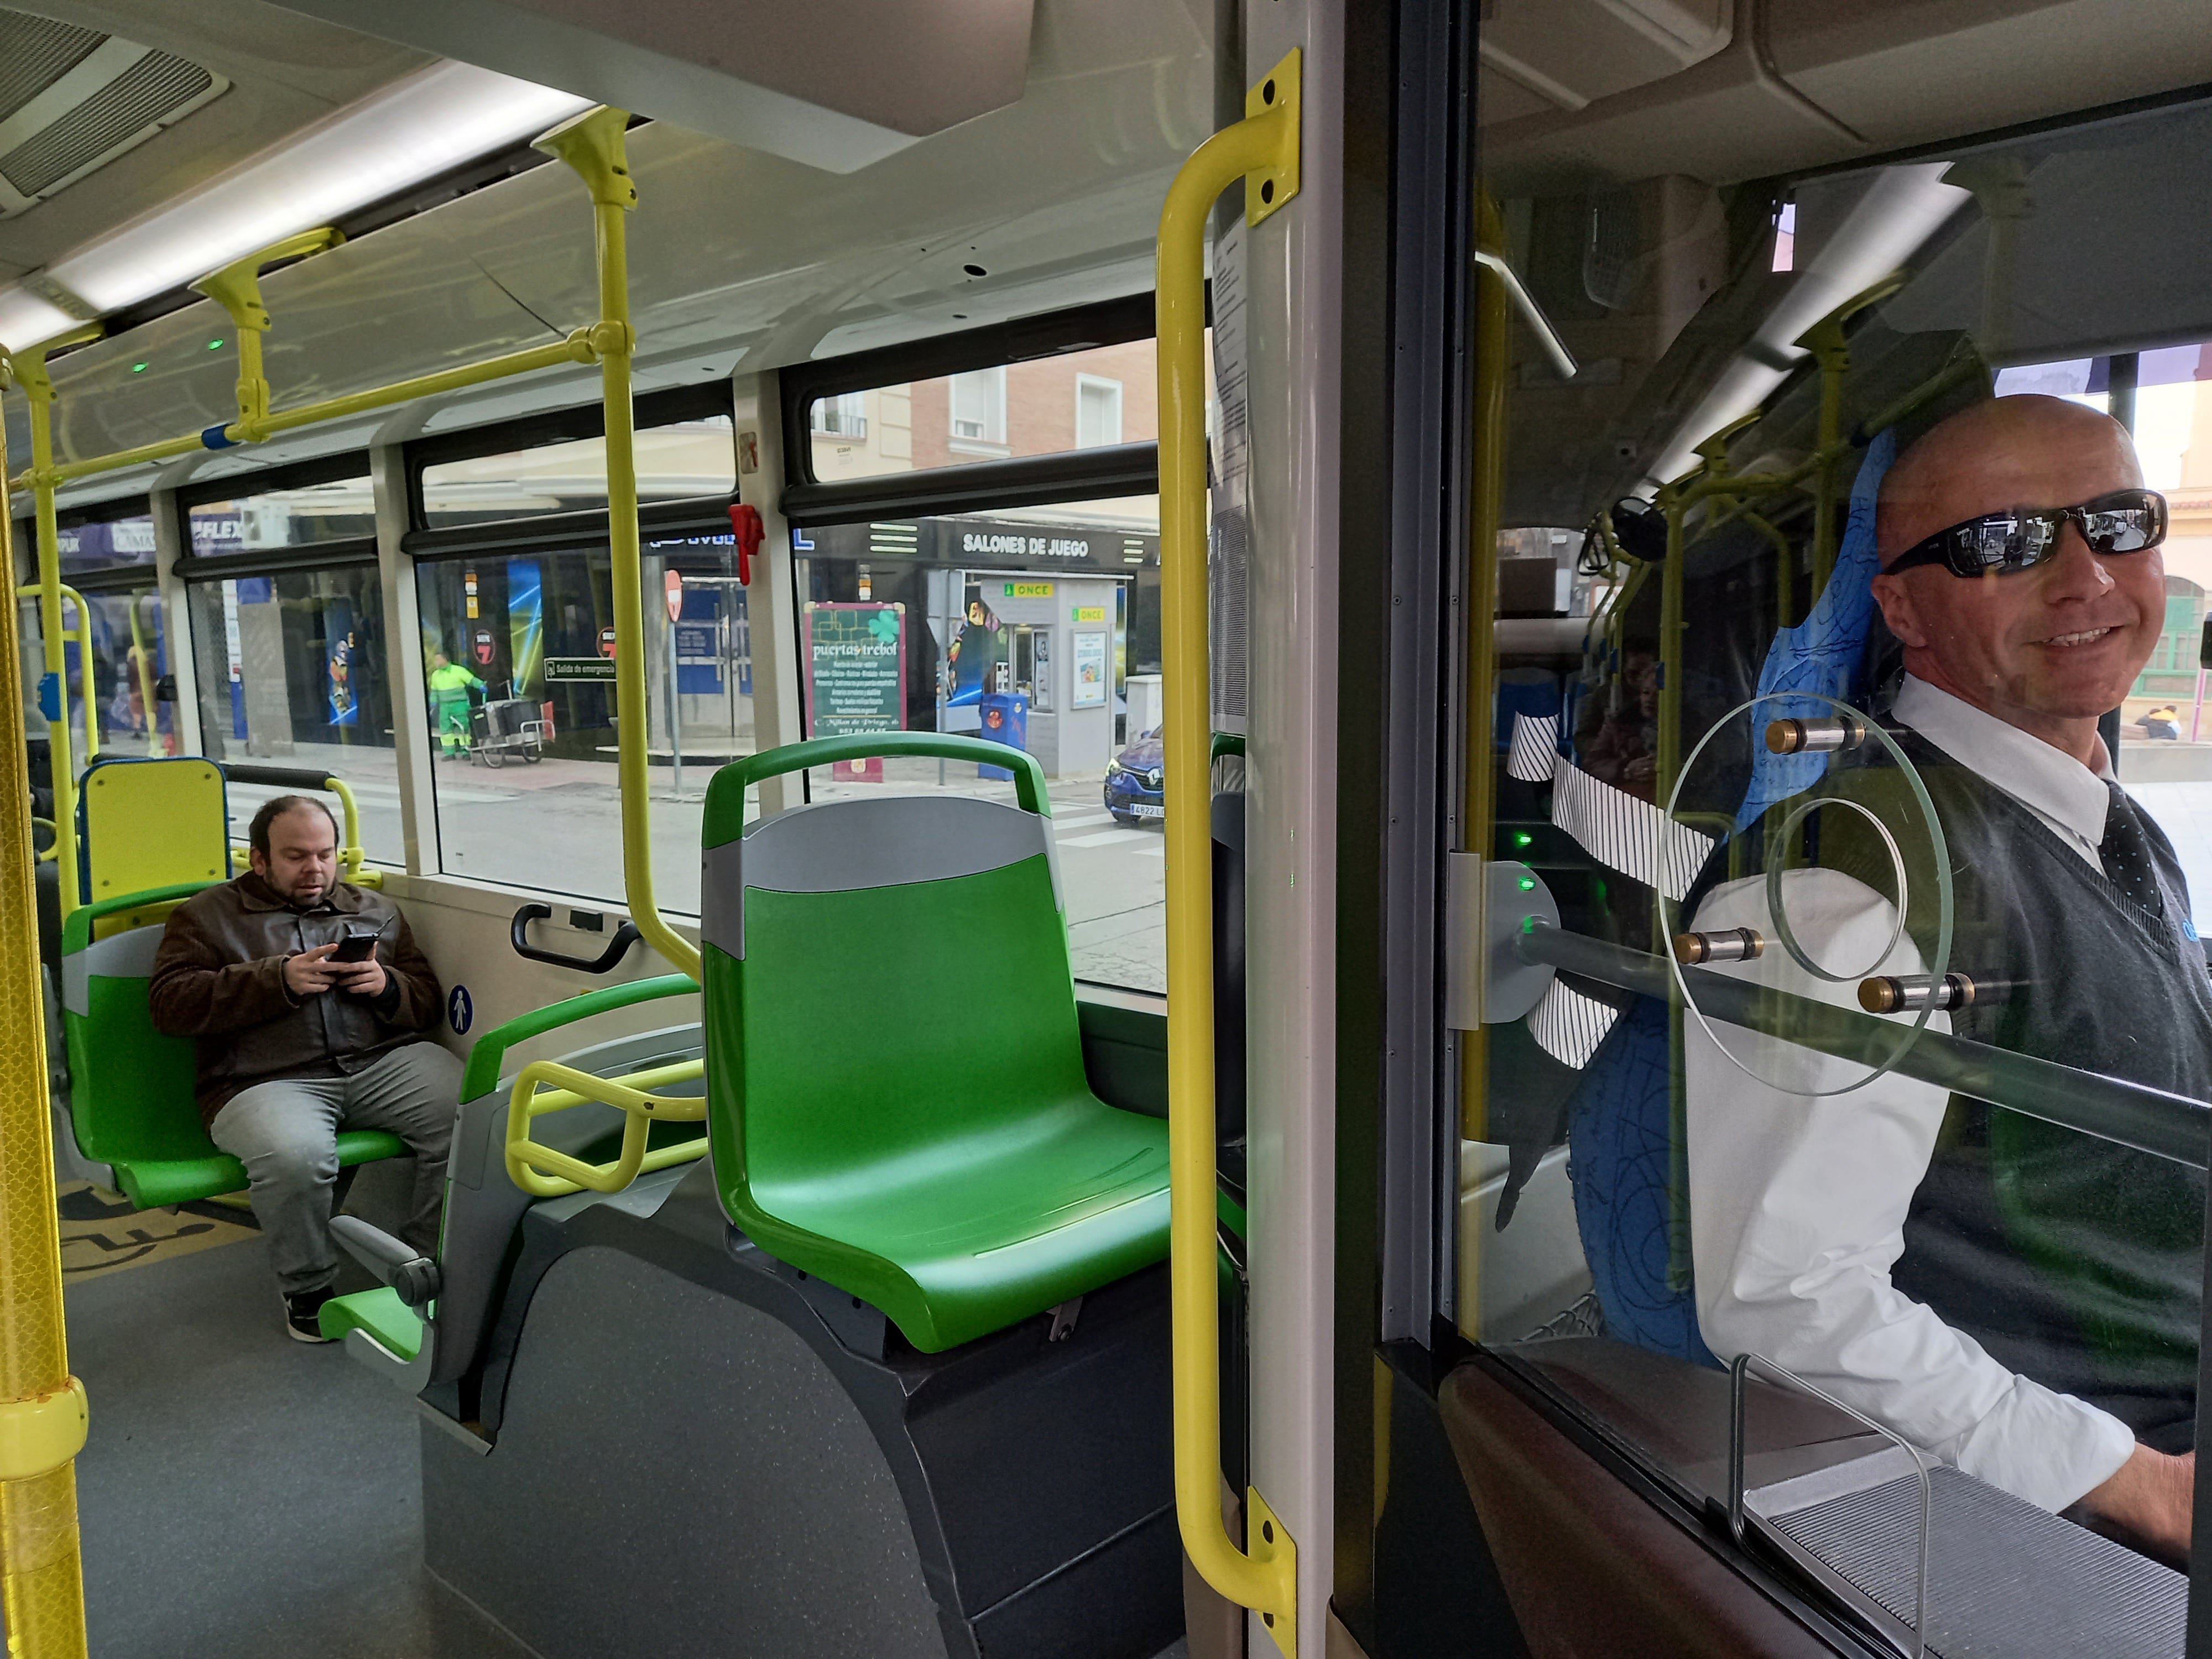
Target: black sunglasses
x,y
2125,521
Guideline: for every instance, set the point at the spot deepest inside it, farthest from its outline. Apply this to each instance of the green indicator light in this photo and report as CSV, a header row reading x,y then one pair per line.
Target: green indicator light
x,y
137,368
214,345
1527,924
1527,884
1522,838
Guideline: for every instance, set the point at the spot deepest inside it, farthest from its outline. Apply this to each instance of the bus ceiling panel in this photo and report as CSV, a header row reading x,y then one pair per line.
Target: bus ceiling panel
x,y
285,72
1814,83
1048,202
835,84
2095,230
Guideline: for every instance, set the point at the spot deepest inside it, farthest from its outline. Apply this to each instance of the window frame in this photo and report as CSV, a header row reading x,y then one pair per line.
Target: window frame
x,y
577,423
271,561
1127,469
1105,383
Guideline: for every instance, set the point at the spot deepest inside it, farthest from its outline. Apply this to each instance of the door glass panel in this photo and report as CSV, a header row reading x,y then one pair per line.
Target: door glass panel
x,y
1037,627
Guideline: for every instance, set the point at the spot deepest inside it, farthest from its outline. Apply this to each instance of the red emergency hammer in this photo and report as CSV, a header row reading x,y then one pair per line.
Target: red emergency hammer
x,y
746,521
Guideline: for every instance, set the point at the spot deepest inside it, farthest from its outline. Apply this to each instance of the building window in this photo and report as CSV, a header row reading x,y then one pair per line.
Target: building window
x,y
979,406
841,416
1097,411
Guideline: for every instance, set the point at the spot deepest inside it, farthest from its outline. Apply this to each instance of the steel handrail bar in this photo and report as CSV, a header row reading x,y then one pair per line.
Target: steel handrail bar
x,y
2133,1115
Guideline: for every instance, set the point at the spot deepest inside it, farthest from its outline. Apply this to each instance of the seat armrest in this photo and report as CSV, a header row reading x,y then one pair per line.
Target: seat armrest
x,y
394,1262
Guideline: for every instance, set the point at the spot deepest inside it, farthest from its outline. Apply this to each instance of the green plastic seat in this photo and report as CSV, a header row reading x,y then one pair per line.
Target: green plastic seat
x,y
893,1058
396,1327
132,1102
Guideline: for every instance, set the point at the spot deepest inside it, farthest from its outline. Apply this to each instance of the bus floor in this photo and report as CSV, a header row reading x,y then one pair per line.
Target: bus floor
x,y
246,1495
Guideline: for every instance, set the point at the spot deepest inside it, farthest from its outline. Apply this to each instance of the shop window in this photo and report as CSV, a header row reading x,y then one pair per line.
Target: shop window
x,y
519,652
292,673
681,460
1037,627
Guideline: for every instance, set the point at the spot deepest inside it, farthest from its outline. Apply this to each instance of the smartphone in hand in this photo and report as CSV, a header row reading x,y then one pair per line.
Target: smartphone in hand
x,y
356,947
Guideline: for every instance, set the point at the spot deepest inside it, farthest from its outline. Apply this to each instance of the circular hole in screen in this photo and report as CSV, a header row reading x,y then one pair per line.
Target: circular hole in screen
x,y
1801,859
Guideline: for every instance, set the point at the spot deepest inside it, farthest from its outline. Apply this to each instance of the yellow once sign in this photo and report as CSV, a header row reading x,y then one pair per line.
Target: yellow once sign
x,y
1082,613
1029,590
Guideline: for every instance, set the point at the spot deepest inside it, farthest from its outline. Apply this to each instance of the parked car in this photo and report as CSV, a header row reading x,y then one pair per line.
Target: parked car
x,y
1134,779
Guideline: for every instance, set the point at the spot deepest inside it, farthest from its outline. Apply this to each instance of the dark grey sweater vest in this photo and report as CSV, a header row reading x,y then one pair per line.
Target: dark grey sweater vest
x,y
2072,1260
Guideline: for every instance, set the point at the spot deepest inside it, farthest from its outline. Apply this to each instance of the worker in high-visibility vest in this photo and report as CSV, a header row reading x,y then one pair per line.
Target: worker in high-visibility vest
x,y
450,685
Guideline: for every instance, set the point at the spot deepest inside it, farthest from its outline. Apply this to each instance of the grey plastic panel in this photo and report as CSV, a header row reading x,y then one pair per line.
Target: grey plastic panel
x,y
483,1207
847,846
121,956
746,1482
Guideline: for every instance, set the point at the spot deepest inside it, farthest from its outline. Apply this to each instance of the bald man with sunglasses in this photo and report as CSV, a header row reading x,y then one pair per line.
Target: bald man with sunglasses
x,y
2020,1300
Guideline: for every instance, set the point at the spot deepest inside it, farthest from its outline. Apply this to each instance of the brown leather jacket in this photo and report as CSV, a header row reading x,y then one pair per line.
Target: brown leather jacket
x,y
219,977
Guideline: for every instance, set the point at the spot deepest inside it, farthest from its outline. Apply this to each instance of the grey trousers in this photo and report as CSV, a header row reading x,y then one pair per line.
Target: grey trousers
x,y
286,1132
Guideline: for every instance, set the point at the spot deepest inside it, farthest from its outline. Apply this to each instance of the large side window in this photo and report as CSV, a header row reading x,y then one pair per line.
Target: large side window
x,y
289,639
120,698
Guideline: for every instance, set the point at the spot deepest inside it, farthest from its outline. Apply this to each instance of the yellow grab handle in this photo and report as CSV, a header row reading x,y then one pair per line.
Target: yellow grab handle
x,y
545,1173
1263,149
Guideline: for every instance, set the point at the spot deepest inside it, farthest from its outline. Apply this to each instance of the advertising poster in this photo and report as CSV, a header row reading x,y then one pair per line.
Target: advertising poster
x,y
977,649
855,664
1089,671
525,627
340,649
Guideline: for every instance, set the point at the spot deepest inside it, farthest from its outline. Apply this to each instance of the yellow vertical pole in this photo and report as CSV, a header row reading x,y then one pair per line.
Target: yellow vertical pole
x,y
591,143
42,1416
1263,151
30,373
1485,506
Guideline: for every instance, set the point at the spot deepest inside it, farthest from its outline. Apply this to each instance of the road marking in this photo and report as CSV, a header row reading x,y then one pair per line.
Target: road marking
x,y
1159,852
1076,821
1107,838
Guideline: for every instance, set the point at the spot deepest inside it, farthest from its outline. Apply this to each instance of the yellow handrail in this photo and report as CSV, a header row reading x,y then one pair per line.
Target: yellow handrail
x,y
146,678
83,632
543,1172
591,143
42,1406
1262,150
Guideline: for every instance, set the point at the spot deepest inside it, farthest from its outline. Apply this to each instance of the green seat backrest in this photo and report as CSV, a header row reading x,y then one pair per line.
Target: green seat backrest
x,y
131,1088
902,975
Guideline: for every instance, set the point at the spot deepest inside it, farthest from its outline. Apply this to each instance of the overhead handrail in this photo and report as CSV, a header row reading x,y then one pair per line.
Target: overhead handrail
x,y
1262,151
309,777
83,634
547,1085
518,935
1531,312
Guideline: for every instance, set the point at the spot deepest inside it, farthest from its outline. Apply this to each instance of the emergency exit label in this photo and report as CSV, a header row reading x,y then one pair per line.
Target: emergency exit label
x,y
1029,590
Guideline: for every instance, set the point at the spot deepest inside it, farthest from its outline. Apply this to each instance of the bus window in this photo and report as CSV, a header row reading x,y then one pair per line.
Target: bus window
x,y
292,673
519,652
1036,627
676,461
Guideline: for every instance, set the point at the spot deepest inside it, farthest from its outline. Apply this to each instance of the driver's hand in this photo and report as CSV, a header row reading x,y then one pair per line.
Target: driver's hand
x,y
310,973
2151,1495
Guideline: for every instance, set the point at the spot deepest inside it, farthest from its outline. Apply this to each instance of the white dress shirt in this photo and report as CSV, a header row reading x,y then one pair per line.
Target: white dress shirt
x,y
1798,1201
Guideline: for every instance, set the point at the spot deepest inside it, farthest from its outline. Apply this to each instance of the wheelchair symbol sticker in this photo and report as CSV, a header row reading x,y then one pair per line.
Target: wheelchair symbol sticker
x,y
461,1012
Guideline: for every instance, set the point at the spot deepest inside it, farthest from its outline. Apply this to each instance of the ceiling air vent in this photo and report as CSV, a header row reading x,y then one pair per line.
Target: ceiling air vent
x,y
72,100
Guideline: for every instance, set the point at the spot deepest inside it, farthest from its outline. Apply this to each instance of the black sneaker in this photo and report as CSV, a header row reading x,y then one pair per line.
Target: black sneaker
x,y
303,1315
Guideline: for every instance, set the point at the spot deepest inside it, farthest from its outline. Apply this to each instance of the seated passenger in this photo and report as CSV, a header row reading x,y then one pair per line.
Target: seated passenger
x,y
2018,1298
295,1045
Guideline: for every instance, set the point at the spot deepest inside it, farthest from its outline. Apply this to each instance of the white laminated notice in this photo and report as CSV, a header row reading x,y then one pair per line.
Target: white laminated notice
x,y
1230,557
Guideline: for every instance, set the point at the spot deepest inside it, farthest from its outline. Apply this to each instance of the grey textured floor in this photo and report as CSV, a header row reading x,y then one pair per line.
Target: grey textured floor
x,y
243,1494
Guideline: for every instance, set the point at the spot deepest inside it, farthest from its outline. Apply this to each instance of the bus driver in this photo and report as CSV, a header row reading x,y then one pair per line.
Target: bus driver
x,y
301,1033
2020,1300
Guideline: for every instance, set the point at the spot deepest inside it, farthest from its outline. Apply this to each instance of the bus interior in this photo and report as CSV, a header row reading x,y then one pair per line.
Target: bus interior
x,y
1102,718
